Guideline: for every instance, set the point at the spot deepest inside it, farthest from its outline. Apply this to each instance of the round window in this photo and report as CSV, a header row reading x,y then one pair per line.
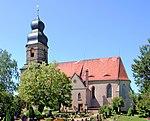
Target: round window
x,y
74,81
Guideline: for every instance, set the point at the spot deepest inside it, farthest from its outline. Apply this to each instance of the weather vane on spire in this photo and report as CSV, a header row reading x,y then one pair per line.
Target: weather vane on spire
x,y
37,8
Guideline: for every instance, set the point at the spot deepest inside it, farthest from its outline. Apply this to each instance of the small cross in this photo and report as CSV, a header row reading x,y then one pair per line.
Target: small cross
x,y
37,8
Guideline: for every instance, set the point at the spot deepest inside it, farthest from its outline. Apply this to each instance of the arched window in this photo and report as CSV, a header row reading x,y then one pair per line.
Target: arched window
x,y
109,91
93,92
79,97
32,52
124,91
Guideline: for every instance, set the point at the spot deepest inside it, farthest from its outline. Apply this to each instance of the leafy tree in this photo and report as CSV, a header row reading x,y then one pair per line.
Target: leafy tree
x,y
5,102
143,104
8,116
134,96
101,110
63,92
117,103
10,103
8,71
31,113
141,68
105,109
141,73
130,112
17,105
45,85
38,114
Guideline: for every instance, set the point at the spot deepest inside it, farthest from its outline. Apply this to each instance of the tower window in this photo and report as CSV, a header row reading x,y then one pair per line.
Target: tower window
x,y
32,52
109,91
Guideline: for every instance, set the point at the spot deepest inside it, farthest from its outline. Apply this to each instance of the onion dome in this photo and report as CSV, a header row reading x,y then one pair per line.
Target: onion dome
x,y
37,35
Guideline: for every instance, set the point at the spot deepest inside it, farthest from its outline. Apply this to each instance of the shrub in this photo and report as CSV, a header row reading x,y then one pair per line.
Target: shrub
x,y
40,108
93,118
81,114
130,112
101,110
45,111
8,117
48,119
31,112
117,103
105,109
38,114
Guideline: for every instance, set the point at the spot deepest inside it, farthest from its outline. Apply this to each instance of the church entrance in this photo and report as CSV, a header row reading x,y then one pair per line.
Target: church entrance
x,y
80,107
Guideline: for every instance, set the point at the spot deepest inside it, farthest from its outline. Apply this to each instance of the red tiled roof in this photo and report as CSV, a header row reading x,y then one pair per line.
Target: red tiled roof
x,y
99,69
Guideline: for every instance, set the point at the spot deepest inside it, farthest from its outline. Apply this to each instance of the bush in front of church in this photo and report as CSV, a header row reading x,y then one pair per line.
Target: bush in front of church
x,y
130,112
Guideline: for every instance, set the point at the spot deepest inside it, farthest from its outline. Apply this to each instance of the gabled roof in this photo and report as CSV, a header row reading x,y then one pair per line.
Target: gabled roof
x,y
110,68
79,80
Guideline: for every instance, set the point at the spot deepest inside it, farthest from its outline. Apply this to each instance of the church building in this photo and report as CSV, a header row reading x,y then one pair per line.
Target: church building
x,y
95,82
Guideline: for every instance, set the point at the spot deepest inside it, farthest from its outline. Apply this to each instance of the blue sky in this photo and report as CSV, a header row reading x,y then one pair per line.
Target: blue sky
x,y
78,29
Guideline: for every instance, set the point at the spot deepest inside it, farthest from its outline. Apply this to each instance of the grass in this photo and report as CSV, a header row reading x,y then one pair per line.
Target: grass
x,y
131,118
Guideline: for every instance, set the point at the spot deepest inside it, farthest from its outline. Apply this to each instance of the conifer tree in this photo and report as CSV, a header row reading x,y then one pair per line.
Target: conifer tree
x,y
141,68
141,73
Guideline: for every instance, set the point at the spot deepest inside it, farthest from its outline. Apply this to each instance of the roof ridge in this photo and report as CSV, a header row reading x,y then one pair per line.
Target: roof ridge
x,y
89,59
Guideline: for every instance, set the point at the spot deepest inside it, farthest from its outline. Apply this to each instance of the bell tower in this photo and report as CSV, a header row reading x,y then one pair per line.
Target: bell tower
x,y
36,47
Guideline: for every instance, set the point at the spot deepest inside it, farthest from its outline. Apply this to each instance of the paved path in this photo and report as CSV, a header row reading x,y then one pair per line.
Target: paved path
x,y
83,119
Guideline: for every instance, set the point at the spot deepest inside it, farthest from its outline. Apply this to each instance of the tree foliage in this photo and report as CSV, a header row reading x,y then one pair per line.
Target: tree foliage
x,y
117,103
8,71
141,73
105,109
141,68
31,112
43,84
143,104
13,103
5,102
130,112
8,116
17,105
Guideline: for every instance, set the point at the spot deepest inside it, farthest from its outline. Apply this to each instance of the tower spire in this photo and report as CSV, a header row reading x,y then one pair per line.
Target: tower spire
x,y
37,9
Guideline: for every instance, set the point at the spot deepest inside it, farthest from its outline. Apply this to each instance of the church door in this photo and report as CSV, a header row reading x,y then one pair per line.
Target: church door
x,y
80,107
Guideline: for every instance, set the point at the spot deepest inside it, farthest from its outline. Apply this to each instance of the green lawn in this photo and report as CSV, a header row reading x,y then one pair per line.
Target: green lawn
x,y
131,118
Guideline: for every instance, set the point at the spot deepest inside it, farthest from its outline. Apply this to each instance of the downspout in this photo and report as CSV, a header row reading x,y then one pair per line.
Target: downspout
x,y
87,87
119,77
